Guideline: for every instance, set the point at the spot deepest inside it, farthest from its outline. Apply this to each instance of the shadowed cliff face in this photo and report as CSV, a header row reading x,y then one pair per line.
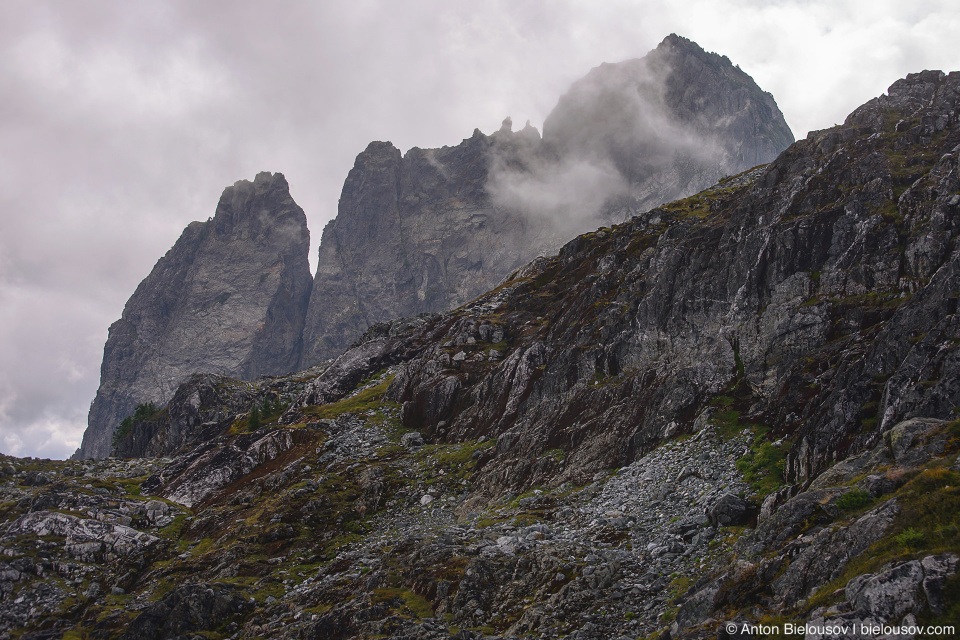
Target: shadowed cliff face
x,y
414,234
228,298
432,229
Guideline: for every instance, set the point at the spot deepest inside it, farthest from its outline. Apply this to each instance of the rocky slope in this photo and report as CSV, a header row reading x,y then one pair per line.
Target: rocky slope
x,y
735,409
350,526
432,229
228,298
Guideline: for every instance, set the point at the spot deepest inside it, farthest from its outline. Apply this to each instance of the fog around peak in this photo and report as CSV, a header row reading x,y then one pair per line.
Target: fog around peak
x,y
638,133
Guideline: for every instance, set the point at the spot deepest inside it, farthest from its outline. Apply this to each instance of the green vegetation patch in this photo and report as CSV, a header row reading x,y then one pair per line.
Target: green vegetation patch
x,y
678,588
854,500
763,466
366,400
146,412
698,206
727,423
558,455
404,601
928,523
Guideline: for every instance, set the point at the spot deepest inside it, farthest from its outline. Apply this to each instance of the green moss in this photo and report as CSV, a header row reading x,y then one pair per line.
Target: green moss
x,y
854,500
407,602
763,466
728,423
130,487
364,401
174,530
678,587
669,615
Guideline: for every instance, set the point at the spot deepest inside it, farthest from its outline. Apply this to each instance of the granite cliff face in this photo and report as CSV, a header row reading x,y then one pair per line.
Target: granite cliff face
x,y
228,298
432,229
737,408
413,234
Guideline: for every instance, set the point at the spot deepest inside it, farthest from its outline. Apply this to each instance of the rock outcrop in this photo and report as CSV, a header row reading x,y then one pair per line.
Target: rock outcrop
x,y
413,234
432,229
228,298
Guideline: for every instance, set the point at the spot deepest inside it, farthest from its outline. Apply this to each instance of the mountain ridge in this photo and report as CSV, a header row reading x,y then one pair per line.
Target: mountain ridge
x,y
428,230
459,219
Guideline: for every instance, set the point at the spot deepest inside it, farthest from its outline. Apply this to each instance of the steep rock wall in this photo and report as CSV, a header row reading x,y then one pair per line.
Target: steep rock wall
x,y
228,298
432,229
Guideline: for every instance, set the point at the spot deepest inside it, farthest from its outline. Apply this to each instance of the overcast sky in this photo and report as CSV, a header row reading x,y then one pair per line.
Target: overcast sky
x,y
122,121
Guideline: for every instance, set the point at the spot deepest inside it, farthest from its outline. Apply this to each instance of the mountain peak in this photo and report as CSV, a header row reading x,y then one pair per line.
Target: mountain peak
x,y
223,300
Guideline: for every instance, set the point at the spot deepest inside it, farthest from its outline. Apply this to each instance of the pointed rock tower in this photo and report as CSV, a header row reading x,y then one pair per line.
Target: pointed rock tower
x,y
229,297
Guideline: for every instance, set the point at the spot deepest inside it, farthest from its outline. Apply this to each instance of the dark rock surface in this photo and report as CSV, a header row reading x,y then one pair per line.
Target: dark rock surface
x,y
730,510
228,298
190,608
793,297
205,407
413,234
432,229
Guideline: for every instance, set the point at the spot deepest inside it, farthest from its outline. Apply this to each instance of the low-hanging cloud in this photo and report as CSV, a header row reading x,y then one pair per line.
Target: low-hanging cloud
x,y
565,193
612,138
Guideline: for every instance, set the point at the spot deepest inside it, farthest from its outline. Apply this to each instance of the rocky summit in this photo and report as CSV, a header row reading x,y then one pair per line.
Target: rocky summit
x,y
730,416
229,297
429,230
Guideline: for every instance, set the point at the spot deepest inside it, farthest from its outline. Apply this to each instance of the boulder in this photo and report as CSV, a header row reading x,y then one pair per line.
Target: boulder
x,y
86,539
730,510
412,440
185,611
